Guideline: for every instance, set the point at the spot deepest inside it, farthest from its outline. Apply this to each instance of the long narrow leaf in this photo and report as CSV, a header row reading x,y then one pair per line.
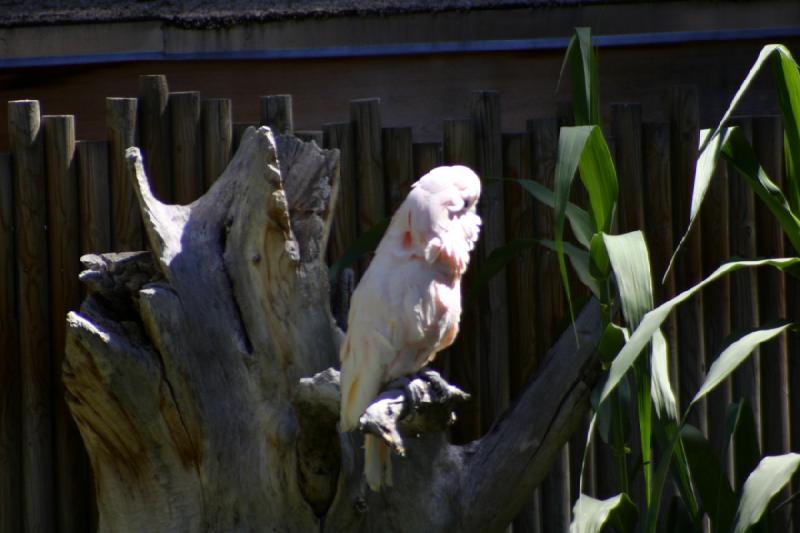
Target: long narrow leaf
x,y
653,320
741,426
660,387
766,480
740,153
734,355
708,476
787,82
591,515
579,259
583,147
579,219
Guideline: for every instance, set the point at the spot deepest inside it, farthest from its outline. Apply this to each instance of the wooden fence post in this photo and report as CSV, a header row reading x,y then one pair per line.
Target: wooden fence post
x,y
276,112
95,196
626,125
187,144
543,139
217,138
10,400
122,134
744,292
238,130
155,134
366,118
427,156
71,463
684,135
27,151
398,165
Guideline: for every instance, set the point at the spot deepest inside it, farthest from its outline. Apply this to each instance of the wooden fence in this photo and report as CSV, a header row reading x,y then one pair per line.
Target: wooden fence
x,y
60,198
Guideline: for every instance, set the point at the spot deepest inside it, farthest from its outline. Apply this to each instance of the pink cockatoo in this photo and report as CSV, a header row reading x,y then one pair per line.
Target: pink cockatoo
x,y
407,305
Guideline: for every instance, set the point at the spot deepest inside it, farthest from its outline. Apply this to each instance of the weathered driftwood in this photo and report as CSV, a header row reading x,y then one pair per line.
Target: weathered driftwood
x,y
201,377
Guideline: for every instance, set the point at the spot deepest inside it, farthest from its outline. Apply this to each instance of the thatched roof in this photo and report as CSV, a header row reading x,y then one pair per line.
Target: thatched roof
x,y
213,13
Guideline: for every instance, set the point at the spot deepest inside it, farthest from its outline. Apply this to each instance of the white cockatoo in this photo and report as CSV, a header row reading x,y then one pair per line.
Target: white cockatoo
x,y
407,305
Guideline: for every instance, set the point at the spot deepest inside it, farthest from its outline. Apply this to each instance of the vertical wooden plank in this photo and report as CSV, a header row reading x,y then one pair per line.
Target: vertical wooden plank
x,y
494,301
238,130
71,481
427,156
684,135
543,139
10,401
122,134
366,118
187,143
626,125
458,148
398,165
95,196
217,138
768,144
717,315
276,112
344,229
522,275
27,151
154,127
744,292
658,224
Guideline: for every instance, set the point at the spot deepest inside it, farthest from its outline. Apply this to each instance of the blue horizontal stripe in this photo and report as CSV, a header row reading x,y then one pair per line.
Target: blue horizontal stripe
x,y
397,49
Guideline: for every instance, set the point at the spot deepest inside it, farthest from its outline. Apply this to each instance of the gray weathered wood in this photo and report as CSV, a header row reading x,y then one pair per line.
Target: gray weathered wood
x,y
63,224
366,119
126,226
155,133
30,202
217,119
276,113
398,165
187,146
95,196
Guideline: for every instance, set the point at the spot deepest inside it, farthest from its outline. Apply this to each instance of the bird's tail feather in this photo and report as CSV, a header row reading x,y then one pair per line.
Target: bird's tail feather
x,y
377,463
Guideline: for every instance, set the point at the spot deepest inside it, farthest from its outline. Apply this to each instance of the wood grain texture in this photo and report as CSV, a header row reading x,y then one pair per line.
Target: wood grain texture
x,y
398,165
744,291
95,196
626,127
30,198
684,135
187,146
427,156
238,130
365,116
72,468
155,133
345,219
121,128
277,113
768,145
217,119
11,437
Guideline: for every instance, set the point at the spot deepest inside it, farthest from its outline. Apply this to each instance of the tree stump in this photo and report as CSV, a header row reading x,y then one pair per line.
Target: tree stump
x,y
201,374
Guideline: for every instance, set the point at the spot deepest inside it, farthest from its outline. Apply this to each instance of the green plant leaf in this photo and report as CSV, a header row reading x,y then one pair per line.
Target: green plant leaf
x,y
590,515
611,341
579,259
365,243
660,387
766,480
583,147
653,319
787,81
582,60
579,219
741,426
630,261
740,153
709,478
734,355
